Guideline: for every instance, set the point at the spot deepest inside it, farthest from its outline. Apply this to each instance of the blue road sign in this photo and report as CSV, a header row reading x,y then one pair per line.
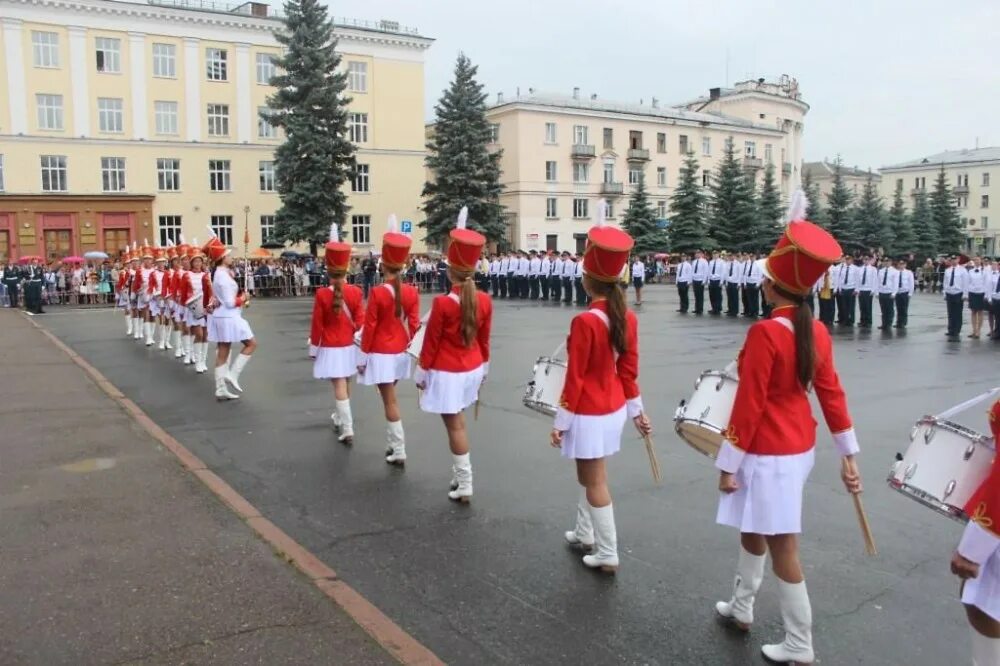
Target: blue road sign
x,y
406,227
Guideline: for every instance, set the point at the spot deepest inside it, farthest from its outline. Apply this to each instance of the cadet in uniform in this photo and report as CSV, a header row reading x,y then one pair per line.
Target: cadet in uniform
x,y
752,277
866,289
956,288
684,272
699,275
555,280
887,283
495,276
977,296
905,286
33,287
734,274
534,273
569,272
544,274
504,274
847,285
995,303
716,274
581,295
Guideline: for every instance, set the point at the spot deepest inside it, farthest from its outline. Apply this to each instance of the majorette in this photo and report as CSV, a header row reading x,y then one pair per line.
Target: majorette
x,y
226,324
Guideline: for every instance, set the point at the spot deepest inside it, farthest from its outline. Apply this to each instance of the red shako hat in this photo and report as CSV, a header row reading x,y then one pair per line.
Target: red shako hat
x,y
159,254
466,245
194,252
171,252
147,251
214,249
803,253
182,248
338,254
607,249
395,246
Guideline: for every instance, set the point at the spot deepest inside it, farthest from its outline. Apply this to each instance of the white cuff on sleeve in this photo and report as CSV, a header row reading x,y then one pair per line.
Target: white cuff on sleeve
x,y
563,419
977,544
846,442
730,457
312,350
420,376
634,406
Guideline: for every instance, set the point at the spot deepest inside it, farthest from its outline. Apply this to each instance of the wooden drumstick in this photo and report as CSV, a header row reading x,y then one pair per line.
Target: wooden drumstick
x,y
866,530
654,464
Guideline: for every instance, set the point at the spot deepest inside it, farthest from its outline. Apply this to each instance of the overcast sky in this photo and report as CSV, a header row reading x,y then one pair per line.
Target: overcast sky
x,y
887,80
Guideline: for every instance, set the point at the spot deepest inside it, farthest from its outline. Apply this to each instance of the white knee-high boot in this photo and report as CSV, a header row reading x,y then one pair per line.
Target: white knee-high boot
x,y
236,369
395,438
749,575
137,328
463,478
583,533
221,390
796,613
162,330
168,335
179,341
605,538
128,325
150,328
188,349
985,650
201,357
346,422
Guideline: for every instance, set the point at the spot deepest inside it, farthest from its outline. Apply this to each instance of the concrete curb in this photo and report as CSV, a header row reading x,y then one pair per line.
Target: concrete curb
x,y
403,647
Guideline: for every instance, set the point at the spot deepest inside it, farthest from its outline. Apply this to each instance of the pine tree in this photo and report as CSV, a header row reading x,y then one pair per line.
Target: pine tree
x,y
687,210
465,172
640,222
731,215
900,226
944,213
814,211
840,221
872,229
316,159
924,229
769,210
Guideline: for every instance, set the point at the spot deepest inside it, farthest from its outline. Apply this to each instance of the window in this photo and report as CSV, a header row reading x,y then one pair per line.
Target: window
x,y
110,117
986,222
706,178
634,176
165,61
361,229
551,209
494,132
661,142
920,182
609,138
218,120
218,175
661,209
1,174
109,55
165,116
750,149
550,172
222,225
170,229
361,182
550,132
635,140
961,201
267,228
168,174
266,172
899,184
50,112
357,123
580,135
357,79
113,174
682,142
216,67
265,130
45,49
661,176
963,180
581,173
767,153
985,202
609,172
54,173
986,179
729,143
706,146
266,69
579,209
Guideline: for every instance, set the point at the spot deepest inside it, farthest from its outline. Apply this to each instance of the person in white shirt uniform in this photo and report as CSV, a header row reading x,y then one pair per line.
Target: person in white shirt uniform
x,y
733,276
752,278
886,284
581,294
716,275
568,273
994,293
699,276
495,275
555,278
534,271
977,295
866,290
544,274
826,303
502,275
956,289
847,291
684,273
905,286
521,274
638,278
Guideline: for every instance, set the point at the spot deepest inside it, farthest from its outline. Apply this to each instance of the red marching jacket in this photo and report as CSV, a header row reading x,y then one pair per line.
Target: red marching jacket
x,y
771,414
186,290
330,329
137,281
384,332
122,279
444,348
982,535
155,282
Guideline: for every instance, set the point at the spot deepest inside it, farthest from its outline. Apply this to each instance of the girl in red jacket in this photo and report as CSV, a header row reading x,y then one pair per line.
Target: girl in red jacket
x,y
338,312
195,296
392,317
768,451
600,391
455,358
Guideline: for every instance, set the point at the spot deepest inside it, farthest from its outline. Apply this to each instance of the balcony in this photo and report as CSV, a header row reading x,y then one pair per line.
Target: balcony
x,y
612,189
638,155
582,151
786,168
961,189
752,162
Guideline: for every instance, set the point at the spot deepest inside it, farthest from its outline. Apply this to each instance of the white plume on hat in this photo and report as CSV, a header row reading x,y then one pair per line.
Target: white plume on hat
x,y
393,226
194,241
170,243
602,211
463,216
797,207
334,233
180,237
211,232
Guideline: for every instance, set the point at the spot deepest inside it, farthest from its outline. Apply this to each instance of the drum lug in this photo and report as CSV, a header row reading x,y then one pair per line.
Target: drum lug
x,y
969,451
697,383
950,488
718,384
913,432
910,470
929,435
704,413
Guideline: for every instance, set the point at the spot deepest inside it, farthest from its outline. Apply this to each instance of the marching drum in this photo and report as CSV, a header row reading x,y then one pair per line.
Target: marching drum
x,y
417,343
545,388
943,466
703,420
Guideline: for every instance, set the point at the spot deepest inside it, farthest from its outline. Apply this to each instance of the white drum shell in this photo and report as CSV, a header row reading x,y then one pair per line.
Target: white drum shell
x,y
546,386
702,420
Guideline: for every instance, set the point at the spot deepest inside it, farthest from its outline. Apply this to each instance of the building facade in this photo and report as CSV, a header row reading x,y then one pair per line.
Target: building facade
x,y
972,175
562,154
123,122
853,177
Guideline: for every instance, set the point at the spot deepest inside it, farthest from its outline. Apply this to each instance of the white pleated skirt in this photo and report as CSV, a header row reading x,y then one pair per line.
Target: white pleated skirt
x,y
450,392
983,592
155,308
123,303
335,362
386,369
180,313
190,319
228,329
769,499
594,436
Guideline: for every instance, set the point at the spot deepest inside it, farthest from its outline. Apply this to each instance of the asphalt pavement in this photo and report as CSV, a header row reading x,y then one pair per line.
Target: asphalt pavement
x,y
493,582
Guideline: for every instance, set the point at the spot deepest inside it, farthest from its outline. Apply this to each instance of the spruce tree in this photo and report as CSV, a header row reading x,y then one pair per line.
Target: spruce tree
x,y
731,214
640,222
814,211
687,210
872,228
839,216
900,226
944,213
924,229
464,171
316,159
769,210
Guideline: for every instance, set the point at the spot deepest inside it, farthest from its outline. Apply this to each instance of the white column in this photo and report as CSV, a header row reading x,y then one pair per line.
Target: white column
x,y
137,74
78,74
192,88
14,55
244,111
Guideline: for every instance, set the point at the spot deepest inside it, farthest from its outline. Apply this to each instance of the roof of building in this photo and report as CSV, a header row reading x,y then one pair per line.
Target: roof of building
x,y
963,156
824,168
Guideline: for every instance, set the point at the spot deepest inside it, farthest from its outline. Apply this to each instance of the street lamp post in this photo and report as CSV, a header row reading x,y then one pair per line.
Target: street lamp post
x,y
246,249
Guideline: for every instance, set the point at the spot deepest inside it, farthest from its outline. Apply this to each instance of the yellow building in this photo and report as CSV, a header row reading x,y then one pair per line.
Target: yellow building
x,y
124,122
563,153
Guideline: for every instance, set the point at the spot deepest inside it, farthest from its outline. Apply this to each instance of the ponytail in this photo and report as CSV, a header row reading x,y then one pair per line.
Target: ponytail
x,y
805,344
337,284
469,303
392,276
617,309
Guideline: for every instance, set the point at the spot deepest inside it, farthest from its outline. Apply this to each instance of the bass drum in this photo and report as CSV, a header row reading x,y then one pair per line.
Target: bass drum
x,y
702,420
546,385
